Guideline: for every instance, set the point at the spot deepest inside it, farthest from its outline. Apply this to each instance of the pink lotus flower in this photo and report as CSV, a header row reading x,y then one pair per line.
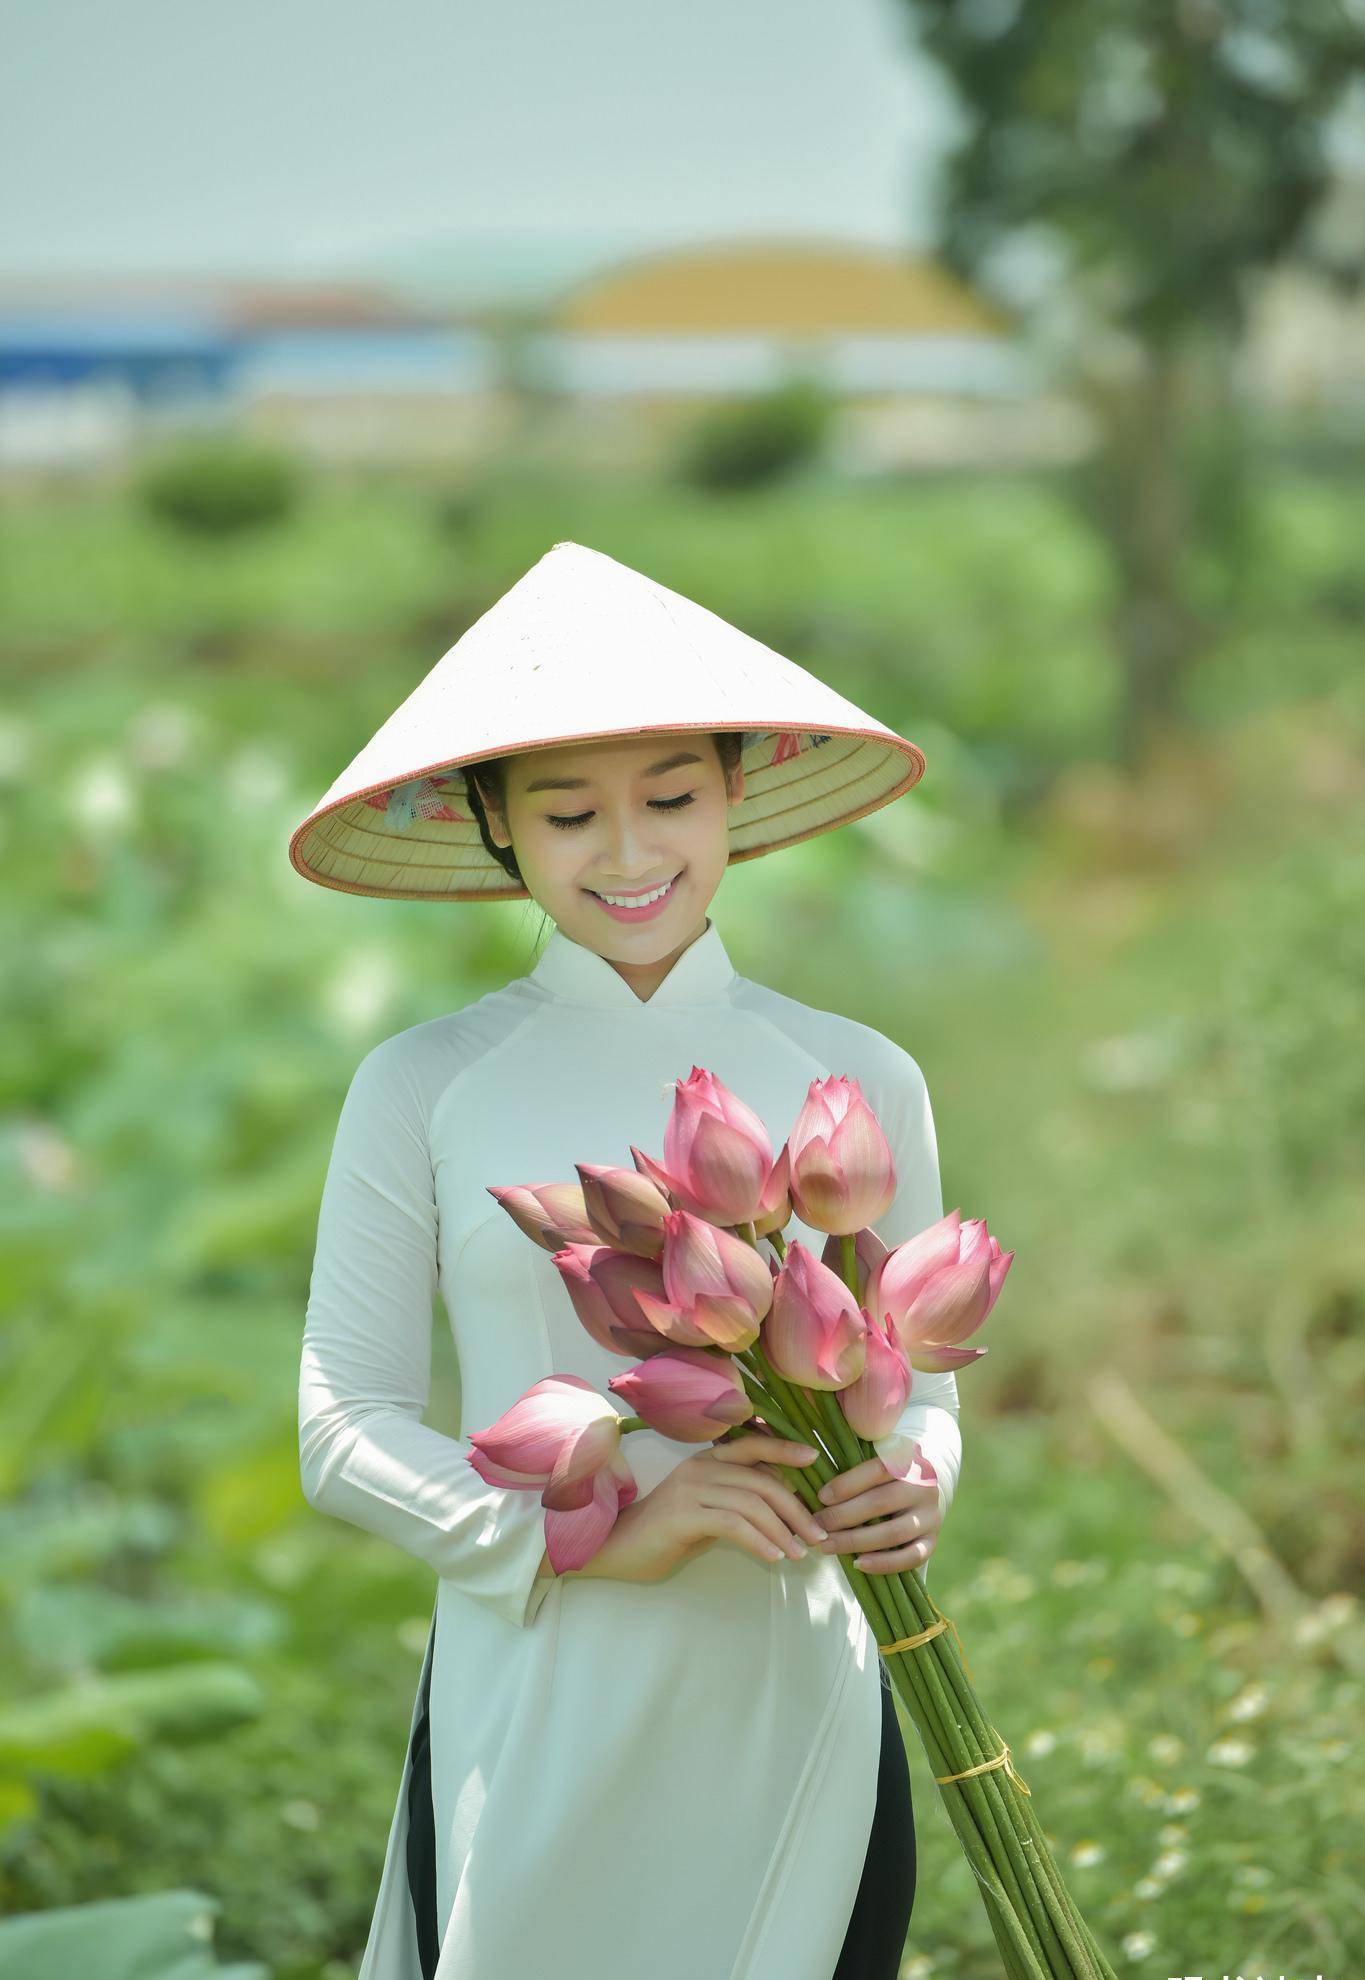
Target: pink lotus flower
x,y
625,1208
937,1288
692,1394
842,1173
563,1440
717,1287
873,1404
603,1284
775,1204
716,1152
551,1214
816,1333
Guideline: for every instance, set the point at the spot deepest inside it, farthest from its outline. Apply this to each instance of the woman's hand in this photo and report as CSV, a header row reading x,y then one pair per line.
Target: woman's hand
x,y
727,1491
886,1522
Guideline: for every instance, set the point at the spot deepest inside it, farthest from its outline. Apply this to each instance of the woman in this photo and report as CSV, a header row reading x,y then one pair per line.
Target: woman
x,y
684,1758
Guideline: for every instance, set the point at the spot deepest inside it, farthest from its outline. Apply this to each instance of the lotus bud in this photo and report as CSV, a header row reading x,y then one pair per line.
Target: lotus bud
x,y
842,1173
815,1334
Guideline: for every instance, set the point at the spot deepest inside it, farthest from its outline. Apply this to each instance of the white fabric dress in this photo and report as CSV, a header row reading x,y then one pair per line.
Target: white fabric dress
x,y
675,1779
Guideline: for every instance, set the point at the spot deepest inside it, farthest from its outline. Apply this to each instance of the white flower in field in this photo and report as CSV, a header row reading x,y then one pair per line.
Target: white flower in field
x,y
1171,1833
1251,1873
1086,1853
1137,1945
257,776
1181,1799
1250,1702
1096,1743
1148,1887
16,749
917,1967
1230,1752
100,795
1170,1863
1180,1574
1331,1612
161,735
1166,1748
302,1815
47,1157
1041,1741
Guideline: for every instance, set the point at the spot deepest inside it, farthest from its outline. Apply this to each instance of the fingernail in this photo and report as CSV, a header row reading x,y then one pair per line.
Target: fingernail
x,y
797,1548
825,1495
819,1531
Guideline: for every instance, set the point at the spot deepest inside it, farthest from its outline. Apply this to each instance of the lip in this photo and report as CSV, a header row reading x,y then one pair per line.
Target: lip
x,y
636,914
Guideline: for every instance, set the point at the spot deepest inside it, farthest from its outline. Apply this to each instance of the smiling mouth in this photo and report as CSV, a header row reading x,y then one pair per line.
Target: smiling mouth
x,y
660,887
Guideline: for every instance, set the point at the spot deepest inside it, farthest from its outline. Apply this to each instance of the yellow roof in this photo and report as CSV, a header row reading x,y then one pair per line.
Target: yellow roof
x,y
763,287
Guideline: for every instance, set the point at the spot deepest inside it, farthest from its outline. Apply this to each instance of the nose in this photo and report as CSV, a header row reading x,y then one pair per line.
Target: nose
x,y
630,856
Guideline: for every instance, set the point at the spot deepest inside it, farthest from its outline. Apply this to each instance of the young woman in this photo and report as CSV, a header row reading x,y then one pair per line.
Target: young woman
x,y
684,1758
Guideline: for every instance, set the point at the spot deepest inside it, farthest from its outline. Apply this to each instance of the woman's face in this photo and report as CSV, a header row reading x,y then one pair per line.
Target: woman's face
x,y
621,817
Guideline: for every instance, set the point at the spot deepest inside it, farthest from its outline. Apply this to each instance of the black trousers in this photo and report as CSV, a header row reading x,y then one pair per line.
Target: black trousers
x,y
875,1939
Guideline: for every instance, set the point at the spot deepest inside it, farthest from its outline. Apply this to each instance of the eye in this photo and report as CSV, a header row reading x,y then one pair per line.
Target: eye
x,y
656,804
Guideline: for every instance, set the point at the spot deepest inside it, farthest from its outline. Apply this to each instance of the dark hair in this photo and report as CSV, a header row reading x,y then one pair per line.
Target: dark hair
x,y
491,772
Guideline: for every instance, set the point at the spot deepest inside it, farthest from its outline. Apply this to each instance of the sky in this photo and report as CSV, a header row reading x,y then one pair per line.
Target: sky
x,y
308,137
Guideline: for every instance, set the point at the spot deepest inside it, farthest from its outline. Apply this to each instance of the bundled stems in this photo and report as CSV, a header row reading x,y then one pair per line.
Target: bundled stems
x,y
976,1826
1039,1932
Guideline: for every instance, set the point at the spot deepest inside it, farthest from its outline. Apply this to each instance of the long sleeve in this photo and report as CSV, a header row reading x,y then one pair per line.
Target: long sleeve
x,y
901,1102
365,1454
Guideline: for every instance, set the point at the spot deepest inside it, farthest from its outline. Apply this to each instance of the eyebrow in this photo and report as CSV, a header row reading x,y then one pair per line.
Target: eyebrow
x,y
580,783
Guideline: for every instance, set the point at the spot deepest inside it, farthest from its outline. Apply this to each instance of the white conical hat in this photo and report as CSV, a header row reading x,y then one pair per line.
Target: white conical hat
x,y
581,648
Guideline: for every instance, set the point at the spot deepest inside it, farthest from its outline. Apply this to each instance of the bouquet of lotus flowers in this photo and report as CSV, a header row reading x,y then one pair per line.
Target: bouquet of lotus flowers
x,y
664,1263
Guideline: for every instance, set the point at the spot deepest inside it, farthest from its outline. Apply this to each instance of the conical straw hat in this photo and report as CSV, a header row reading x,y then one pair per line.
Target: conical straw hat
x,y
583,647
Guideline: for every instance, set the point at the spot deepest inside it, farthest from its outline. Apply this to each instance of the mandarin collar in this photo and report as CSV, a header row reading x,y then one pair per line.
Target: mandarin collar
x,y
702,974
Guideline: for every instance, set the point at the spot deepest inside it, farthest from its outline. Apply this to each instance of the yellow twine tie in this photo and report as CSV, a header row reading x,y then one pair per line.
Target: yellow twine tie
x,y
1002,1758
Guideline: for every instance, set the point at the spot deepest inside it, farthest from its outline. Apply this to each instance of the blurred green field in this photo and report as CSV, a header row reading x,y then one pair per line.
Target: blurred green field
x,y
1139,1004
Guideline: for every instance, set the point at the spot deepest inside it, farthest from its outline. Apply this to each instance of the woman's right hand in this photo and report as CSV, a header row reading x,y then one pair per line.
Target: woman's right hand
x,y
726,1491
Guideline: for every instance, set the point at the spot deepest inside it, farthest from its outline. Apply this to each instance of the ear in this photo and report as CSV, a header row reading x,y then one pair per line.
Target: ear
x,y
737,784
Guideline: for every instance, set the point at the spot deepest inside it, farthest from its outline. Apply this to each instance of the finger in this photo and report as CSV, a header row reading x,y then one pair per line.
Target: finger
x,y
793,1510
885,1533
757,1448
754,1507
848,1484
864,1506
896,1561
742,1533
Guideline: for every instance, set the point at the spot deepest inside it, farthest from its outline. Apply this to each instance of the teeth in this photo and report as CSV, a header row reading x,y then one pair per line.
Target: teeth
x,y
635,900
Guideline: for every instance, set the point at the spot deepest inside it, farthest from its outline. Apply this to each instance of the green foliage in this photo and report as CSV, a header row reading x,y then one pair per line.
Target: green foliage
x,y
749,442
1166,152
219,487
161,1937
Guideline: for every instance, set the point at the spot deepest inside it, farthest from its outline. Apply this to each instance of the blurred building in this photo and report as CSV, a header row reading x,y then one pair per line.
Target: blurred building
x,y
597,369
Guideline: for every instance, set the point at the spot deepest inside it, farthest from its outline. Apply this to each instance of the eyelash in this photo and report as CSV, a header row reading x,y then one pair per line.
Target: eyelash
x,y
659,804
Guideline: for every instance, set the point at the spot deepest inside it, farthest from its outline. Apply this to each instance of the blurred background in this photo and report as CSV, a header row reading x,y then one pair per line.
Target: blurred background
x,y
1004,363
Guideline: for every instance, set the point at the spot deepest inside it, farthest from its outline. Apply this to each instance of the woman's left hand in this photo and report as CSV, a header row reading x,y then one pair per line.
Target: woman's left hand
x,y
907,1518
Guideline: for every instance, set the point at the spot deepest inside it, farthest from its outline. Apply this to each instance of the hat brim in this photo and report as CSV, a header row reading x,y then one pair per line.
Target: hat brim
x,y
418,841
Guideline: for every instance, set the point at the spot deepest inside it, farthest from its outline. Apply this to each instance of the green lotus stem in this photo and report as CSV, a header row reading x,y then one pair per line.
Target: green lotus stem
x,y
979,1833
1036,1925
1002,1873
1062,1930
